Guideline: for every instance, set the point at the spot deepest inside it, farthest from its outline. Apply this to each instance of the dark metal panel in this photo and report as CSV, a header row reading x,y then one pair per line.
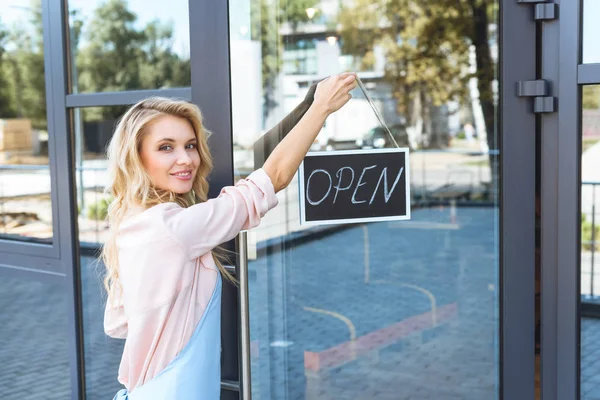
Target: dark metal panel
x,y
211,83
10,270
27,247
211,91
123,98
32,262
229,395
588,74
229,333
568,204
55,22
549,70
560,205
517,197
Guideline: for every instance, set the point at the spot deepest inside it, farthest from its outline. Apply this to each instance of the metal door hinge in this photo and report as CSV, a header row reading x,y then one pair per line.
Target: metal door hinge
x,y
544,11
540,91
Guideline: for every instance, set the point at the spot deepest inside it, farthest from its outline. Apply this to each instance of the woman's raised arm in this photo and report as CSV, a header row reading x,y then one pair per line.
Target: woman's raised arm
x,y
331,94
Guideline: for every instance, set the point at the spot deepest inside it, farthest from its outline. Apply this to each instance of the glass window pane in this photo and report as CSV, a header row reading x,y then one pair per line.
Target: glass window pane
x,y
94,127
25,208
590,241
102,353
33,337
372,310
121,45
591,31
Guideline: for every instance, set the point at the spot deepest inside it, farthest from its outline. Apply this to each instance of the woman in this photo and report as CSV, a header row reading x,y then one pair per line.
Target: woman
x,y
163,278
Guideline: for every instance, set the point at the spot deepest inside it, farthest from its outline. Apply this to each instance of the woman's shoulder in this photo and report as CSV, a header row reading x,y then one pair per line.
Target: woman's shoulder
x,y
147,226
139,216
142,212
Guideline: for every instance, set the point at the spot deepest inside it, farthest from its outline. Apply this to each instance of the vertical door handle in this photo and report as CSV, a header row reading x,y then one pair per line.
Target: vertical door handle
x,y
244,317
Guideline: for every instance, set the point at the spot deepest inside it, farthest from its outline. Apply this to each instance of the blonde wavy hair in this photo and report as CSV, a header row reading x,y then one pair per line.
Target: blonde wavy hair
x,y
129,183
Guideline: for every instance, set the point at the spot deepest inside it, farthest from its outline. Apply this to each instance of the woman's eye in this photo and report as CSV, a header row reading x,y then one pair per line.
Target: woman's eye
x,y
191,146
165,147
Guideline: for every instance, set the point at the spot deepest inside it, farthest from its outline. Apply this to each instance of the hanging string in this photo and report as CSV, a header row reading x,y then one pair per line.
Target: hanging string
x,y
379,117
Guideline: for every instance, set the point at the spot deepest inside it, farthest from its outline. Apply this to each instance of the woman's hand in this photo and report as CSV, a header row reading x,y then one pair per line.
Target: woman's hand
x,y
332,93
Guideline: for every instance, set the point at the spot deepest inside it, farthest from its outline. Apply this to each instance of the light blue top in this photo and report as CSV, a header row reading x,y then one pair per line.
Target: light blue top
x,y
195,374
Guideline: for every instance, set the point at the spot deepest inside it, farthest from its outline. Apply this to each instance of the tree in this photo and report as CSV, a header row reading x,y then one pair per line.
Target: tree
x,y
6,109
110,59
425,57
117,55
23,62
591,97
426,46
295,12
161,67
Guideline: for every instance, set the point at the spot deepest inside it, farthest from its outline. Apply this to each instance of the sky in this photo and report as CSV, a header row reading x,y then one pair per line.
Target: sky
x,y
591,31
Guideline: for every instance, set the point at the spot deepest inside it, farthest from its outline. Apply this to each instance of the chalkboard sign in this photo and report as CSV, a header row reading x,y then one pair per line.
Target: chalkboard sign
x,y
354,186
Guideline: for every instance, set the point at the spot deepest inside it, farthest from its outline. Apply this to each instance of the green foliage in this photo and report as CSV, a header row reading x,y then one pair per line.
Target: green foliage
x,y
427,47
586,234
118,56
99,210
111,54
591,97
22,82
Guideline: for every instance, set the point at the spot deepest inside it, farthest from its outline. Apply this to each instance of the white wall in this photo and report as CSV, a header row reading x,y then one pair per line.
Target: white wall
x,y
246,91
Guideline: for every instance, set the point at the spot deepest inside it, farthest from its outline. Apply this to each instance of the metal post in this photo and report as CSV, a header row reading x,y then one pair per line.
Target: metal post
x,y
77,129
245,378
593,238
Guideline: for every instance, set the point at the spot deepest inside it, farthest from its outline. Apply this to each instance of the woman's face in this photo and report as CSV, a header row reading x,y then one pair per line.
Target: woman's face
x,y
169,154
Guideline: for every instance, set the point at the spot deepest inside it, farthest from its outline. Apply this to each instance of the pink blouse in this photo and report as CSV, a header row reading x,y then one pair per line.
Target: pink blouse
x,y
168,275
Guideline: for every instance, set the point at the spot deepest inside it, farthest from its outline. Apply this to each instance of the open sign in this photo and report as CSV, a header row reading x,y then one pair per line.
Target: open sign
x,y
355,186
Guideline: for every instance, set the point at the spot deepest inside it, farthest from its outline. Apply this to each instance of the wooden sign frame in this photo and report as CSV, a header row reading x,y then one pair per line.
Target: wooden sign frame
x,y
302,188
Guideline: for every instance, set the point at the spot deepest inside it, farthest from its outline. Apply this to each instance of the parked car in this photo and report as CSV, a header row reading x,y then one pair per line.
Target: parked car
x,y
341,145
379,138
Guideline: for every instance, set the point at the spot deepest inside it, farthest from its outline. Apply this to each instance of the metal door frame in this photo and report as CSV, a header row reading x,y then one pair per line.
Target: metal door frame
x,y
517,209
561,203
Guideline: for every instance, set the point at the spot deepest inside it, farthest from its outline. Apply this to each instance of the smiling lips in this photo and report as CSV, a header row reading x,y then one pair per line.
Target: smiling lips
x,y
183,175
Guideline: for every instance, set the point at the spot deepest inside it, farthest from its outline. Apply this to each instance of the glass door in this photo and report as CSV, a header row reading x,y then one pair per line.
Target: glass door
x,y
394,309
589,163
569,156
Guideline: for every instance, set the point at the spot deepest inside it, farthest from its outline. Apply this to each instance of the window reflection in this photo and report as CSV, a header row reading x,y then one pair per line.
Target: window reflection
x,y
33,332
102,353
334,309
94,127
590,240
25,209
121,45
